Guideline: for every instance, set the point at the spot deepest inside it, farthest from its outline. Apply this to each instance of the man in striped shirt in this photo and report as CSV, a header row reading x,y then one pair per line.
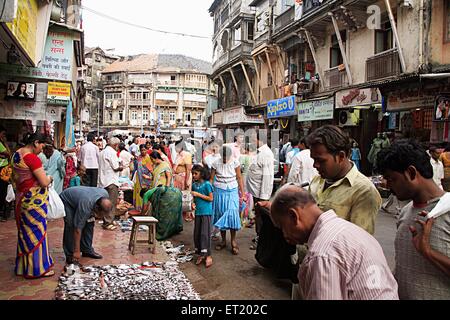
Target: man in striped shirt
x,y
343,262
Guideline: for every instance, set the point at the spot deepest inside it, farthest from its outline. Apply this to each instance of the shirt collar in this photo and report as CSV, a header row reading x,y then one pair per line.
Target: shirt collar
x,y
264,146
323,219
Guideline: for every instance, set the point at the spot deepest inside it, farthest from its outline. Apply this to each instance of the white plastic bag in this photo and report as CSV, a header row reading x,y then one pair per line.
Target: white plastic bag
x,y
10,196
187,201
443,206
55,205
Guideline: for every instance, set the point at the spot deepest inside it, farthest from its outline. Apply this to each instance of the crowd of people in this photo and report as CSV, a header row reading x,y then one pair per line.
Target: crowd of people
x,y
319,223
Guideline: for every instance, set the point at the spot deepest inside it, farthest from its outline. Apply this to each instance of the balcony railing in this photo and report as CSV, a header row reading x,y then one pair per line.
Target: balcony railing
x,y
311,5
383,65
167,82
223,59
284,19
138,102
191,84
241,49
335,78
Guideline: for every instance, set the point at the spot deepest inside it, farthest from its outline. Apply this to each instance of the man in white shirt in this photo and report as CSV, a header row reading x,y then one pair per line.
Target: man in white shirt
x,y
302,168
438,166
89,155
260,177
108,178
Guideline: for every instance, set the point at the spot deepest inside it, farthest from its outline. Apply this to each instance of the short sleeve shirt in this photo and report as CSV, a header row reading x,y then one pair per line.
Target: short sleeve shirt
x,y
79,203
226,174
202,207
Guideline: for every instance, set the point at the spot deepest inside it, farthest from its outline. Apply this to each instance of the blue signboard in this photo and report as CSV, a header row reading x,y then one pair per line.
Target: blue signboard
x,y
279,108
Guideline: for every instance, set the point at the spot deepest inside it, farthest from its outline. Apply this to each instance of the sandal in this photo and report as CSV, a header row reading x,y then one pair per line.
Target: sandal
x,y
199,260
235,250
110,227
49,273
221,246
208,262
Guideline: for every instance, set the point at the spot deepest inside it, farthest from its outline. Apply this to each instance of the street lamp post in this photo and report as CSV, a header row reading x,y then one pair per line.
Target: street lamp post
x,y
142,110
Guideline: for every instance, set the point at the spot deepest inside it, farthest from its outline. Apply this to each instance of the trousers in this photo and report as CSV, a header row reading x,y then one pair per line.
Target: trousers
x,y
87,235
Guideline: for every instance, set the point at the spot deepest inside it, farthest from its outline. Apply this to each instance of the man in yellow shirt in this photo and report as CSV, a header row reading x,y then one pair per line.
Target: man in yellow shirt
x,y
340,186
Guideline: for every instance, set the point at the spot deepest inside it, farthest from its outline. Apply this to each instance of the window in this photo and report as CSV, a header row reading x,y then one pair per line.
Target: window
x,y
269,79
172,78
172,116
447,21
121,115
384,38
110,116
187,117
133,115
335,51
250,29
161,116
145,115
199,117
117,96
237,35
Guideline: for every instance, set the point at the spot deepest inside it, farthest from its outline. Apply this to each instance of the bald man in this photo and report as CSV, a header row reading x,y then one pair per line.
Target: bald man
x,y
343,262
81,205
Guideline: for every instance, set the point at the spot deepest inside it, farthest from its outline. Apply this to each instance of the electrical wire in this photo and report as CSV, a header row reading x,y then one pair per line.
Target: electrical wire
x,y
141,26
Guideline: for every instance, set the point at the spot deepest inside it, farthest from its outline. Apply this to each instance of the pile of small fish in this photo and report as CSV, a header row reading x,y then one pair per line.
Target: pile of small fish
x,y
148,281
179,254
127,225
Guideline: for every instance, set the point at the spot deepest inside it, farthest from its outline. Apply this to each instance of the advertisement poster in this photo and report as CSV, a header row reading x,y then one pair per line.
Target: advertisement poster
x,y
20,90
58,93
24,26
315,110
442,108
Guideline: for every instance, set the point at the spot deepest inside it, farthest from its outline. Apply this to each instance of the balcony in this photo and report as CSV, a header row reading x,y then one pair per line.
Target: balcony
x,y
241,49
335,78
383,65
115,81
311,5
114,103
221,61
138,102
194,104
190,84
284,19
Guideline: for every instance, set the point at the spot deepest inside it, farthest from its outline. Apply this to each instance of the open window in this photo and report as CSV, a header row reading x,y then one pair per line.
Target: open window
x,y
336,58
384,39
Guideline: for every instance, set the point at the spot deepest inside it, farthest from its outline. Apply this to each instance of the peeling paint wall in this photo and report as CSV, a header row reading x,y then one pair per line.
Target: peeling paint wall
x,y
440,49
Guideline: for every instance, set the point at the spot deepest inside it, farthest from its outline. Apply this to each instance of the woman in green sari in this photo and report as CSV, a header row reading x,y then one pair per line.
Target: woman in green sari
x,y
162,173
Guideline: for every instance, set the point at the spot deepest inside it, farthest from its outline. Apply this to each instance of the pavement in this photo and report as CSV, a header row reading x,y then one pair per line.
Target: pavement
x,y
237,277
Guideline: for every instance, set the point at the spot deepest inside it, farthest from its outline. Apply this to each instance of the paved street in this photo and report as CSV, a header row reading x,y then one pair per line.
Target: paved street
x,y
231,277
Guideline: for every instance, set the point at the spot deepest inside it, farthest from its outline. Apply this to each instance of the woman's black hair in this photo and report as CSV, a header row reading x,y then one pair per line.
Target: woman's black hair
x,y
226,153
204,172
121,146
18,92
142,146
30,138
156,155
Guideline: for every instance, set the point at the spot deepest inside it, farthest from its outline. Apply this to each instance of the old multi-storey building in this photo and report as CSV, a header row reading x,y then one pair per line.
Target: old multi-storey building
x,y
233,69
369,66
96,60
144,91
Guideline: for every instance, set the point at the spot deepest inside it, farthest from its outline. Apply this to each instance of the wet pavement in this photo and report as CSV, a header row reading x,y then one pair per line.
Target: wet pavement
x,y
237,277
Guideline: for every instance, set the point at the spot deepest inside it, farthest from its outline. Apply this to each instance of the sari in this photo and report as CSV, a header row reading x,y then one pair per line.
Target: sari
x,y
33,259
71,171
159,175
179,179
144,167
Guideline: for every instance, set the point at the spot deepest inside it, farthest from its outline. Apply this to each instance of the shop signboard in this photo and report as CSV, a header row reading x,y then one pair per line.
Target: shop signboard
x,y
56,63
237,115
357,97
280,108
58,93
26,109
217,117
411,98
24,27
316,110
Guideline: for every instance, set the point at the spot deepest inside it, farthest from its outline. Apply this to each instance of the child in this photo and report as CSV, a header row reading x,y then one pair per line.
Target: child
x,y
202,191
77,180
356,155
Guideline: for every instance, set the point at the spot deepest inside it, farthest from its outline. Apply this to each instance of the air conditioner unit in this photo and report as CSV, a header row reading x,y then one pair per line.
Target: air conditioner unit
x,y
348,119
58,11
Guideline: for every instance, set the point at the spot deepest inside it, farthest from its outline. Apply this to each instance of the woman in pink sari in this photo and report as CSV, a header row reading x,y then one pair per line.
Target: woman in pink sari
x,y
182,173
33,259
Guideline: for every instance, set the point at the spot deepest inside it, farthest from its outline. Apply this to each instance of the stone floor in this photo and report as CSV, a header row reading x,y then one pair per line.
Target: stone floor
x,y
113,245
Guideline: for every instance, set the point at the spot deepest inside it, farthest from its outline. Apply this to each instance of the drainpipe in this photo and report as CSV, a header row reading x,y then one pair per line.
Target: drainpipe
x,y
421,38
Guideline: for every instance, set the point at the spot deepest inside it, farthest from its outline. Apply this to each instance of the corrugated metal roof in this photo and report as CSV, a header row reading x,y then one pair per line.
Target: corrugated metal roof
x,y
159,62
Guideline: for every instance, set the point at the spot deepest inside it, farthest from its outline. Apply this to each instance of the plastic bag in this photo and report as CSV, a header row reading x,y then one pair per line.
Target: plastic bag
x,y
187,201
443,206
10,196
55,205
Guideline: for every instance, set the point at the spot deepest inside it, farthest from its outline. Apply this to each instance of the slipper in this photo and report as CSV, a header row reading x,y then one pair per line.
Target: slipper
x,y
221,246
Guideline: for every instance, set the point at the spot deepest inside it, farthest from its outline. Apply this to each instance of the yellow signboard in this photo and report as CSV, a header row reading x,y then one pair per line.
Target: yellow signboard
x,y
24,27
58,93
